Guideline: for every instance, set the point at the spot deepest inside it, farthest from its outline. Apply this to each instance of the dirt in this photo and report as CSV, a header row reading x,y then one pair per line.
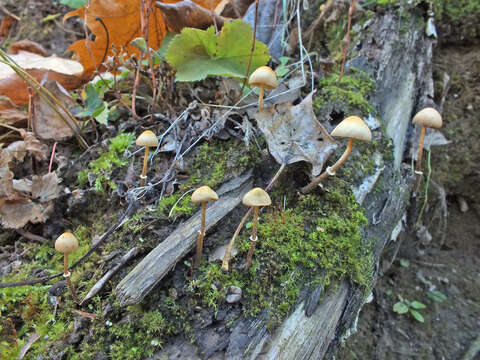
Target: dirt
x,y
451,267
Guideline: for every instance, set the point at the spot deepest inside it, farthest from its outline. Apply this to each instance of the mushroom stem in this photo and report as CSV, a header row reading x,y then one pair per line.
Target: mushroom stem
x,y
144,170
253,238
260,98
66,275
331,169
201,235
420,149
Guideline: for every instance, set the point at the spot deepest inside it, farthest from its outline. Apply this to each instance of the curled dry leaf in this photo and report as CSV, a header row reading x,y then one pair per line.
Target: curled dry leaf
x,y
16,214
66,72
28,46
31,144
13,117
121,19
48,124
6,25
188,14
294,134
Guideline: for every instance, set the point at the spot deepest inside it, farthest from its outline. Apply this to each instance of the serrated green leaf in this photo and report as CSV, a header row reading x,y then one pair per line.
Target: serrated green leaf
x,y
417,305
417,315
196,54
400,307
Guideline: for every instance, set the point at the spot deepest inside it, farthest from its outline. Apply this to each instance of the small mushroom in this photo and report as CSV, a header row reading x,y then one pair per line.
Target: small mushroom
x,y
264,78
147,139
352,128
202,195
66,244
255,198
428,117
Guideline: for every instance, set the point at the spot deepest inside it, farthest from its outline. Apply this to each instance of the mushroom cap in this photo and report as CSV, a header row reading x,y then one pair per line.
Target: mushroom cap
x,y
428,117
147,138
204,194
353,127
263,76
66,243
256,197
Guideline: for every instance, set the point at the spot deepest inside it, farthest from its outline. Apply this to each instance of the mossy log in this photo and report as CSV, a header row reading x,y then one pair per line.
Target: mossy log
x,y
397,54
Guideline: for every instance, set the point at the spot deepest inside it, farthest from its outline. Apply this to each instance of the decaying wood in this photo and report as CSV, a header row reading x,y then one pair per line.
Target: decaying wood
x,y
101,283
151,270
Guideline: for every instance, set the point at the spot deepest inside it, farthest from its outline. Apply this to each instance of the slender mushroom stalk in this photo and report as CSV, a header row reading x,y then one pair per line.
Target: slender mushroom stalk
x,y
353,128
147,139
264,78
428,117
255,198
67,243
202,195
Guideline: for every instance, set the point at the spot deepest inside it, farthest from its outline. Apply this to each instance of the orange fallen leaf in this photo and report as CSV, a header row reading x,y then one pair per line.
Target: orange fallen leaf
x,y
121,19
66,72
29,46
6,25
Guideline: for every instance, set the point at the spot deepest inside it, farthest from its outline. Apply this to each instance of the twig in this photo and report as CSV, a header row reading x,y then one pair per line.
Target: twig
x,y
28,235
101,283
253,45
345,49
52,156
127,213
228,251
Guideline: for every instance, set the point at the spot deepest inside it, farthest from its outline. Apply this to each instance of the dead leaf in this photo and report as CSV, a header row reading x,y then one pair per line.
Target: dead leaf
x,y
16,214
122,21
235,8
46,187
28,46
6,103
6,26
188,14
13,117
47,123
6,182
18,149
294,134
86,314
66,72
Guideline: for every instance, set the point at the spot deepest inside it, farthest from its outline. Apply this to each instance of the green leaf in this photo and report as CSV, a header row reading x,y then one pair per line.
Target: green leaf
x,y
417,315
417,305
167,39
196,54
437,296
75,4
102,117
405,263
400,307
140,44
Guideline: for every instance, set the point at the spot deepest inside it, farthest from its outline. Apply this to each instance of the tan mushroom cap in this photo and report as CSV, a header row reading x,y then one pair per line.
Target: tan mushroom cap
x,y
256,197
353,127
147,138
428,117
263,76
66,243
204,194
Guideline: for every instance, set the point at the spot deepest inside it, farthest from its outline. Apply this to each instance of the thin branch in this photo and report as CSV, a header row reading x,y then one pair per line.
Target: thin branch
x,y
253,45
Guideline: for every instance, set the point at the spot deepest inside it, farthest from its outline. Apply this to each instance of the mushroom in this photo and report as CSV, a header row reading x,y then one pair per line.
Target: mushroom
x,y
255,198
202,195
147,139
67,243
264,78
428,117
353,128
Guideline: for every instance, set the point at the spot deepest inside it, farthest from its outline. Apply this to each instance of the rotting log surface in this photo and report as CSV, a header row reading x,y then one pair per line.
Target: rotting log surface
x,y
151,270
398,56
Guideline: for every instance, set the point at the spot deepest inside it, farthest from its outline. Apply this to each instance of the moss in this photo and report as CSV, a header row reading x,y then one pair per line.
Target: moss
x,y
456,10
352,92
102,167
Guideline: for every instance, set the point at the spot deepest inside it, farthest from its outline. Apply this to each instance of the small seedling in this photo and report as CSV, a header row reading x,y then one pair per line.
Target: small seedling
x,y
405,306
436,296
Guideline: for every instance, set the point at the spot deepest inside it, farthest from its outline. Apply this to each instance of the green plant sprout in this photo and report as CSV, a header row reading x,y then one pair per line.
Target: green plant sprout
x,y
405,306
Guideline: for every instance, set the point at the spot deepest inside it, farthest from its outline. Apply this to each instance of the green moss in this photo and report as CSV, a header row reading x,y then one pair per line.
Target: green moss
x,y
352,92
455,9
102,167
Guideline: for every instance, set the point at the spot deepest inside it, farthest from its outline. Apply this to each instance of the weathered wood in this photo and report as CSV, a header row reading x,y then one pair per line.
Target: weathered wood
x,y
148,273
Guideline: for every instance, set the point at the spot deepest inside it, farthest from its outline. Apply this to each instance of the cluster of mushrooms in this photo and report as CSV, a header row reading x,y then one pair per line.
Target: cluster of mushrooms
x,y
352,127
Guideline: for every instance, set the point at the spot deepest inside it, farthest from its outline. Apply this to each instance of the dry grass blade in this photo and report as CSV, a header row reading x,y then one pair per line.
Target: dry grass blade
x,y
46,96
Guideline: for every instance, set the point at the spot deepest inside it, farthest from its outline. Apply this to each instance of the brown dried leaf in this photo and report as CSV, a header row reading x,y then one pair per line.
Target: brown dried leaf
x,y
18,149
13,117
46,187
6,25
188,14
66,72
16,214
294,134
6,182
28,46
47,123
